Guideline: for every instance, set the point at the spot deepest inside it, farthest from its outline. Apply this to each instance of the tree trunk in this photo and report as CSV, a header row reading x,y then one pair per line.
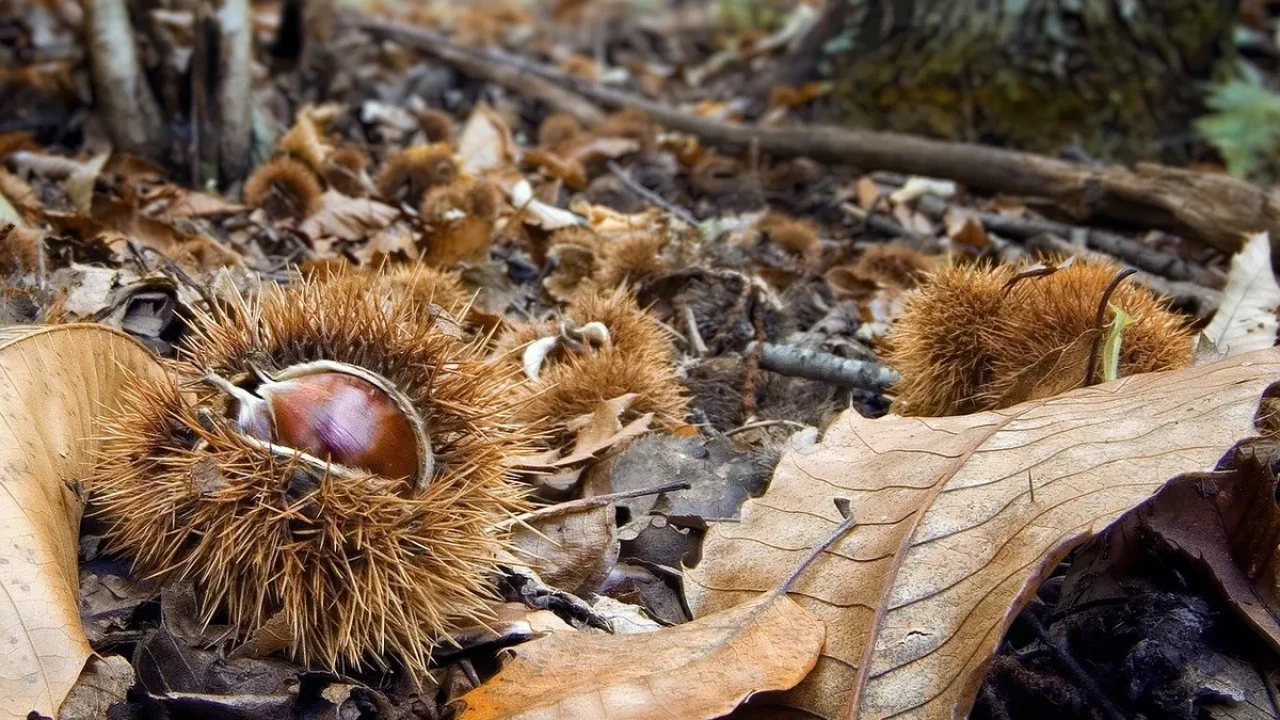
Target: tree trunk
x,y
1122,77
129,110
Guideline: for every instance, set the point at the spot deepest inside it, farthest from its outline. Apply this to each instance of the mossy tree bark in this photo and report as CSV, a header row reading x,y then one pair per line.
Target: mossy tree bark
x,y
1123,77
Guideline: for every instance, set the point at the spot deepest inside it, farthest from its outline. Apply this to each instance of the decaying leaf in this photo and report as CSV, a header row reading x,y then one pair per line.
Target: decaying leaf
x,y
1228,523
702,669
1246,319
54,384
571,549
960,517
105,681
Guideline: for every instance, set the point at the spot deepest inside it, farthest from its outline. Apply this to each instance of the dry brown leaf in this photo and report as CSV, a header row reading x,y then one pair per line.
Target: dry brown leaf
x,y
602,429
868,192
104,682
54,385
348,218
78,176
21,197
485,142
701,669
952,539
572,549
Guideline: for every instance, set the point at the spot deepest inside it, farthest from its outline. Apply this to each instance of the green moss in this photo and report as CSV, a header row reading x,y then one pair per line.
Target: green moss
x,y
1117,90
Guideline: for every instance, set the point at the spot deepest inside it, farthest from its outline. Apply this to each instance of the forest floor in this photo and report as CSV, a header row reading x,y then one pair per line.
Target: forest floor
x,y
701,419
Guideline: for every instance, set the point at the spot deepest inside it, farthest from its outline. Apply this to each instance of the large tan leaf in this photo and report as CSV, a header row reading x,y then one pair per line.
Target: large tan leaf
x,y
701,669
951,539
55,383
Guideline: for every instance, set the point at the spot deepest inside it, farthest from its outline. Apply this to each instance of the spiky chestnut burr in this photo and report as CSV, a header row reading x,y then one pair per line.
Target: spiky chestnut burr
x,y
344,171
407,176
893,265
632,260
460,219
284,188
967,336
436,124
360,566
603,347
797,237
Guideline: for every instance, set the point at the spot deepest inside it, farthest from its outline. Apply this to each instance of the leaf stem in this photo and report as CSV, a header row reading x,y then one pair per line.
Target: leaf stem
x,y
841,530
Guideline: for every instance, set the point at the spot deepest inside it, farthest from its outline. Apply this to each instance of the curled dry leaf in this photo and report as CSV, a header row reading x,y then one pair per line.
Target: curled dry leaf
x,y
570,550
1246,319
960,518
485,142
548,217
78,176
348,218
54,384
1227,522
702,669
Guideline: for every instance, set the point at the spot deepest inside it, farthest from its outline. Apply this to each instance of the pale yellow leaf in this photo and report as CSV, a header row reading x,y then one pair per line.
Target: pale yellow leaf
x,y
1246,319
701,669
55,383
952,538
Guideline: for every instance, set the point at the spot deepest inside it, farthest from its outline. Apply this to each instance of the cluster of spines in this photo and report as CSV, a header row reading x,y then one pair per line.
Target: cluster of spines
x,y
355,568
966,337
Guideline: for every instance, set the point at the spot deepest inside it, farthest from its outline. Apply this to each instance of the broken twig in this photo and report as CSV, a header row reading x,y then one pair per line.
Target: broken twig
x,y
824,367
1217,209
654,198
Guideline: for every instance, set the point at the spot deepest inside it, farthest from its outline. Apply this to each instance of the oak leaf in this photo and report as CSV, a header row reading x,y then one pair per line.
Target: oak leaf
x,y
701,669
960,518
55,383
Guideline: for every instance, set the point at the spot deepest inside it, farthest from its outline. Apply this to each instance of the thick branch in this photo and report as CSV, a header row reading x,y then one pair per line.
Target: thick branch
x,y
129,110
1216,209
473,63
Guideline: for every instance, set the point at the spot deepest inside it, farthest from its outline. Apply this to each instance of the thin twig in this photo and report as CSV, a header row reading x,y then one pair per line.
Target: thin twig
x,y
489,66
763,424
589,502
1128,250
696,343
824,367
678,213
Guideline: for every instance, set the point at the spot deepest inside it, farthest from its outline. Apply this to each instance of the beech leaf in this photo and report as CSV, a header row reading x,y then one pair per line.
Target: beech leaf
x,y
960,519
1246,319
701,669
54,385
